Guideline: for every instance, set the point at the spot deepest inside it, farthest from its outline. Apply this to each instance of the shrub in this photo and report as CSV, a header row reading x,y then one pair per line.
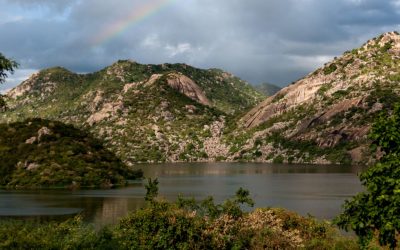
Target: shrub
x,y
278,160
185,224
377,209
330,69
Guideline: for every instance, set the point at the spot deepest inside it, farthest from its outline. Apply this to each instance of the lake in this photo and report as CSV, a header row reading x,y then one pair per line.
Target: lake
x,y
307,189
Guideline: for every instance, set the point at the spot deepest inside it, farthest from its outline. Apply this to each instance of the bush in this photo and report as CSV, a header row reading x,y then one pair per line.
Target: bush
x,y
278,160
71,234
185,224
376,211
330,69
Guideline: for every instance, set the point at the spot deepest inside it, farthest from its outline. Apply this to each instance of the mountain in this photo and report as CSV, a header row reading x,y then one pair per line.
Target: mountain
x,y
267,89
175,112
144,113
326,116
41,153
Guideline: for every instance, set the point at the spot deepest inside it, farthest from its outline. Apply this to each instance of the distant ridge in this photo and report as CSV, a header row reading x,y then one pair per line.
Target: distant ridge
x,y
267,89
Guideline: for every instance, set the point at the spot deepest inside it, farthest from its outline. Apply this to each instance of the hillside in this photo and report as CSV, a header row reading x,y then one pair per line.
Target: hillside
x,y
326,116
144,113
40,153
267,89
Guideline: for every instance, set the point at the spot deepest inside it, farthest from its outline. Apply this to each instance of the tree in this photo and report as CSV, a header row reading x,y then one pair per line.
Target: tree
x,y
377,210
151,189
6,65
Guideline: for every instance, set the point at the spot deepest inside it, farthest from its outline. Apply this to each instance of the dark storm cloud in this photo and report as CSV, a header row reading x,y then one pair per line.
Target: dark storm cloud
x,y
259,40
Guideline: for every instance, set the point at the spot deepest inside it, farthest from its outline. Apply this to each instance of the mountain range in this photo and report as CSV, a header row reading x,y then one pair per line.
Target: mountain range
x,y
175,112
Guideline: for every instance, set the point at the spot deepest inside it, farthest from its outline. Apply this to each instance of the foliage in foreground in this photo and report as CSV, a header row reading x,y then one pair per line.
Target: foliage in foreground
x,y
185,224
40,153
377,210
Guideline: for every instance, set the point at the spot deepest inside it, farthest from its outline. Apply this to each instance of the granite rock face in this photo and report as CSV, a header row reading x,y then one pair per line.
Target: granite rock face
x,y
337,103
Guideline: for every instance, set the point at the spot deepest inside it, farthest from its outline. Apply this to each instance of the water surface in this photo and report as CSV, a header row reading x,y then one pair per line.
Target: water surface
x,y
306,189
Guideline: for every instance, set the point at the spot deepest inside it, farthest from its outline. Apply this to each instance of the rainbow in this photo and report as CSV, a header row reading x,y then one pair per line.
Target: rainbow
x,y
137,15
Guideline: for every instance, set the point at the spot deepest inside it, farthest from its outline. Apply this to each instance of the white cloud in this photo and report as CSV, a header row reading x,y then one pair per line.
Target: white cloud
x,y
181,48
10,19
152,42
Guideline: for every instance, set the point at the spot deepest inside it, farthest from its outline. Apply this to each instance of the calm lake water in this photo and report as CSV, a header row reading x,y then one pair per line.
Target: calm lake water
x,y
317,190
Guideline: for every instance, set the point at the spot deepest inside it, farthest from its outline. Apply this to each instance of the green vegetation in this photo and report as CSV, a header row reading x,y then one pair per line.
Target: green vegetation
x,y
386,95
278,97
3,104
40,153
376,211
386,47
309,150
324,88
330,69
184,224
340,94
6,65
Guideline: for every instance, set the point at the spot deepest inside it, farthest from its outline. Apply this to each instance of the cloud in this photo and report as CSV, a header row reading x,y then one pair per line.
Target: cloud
x,y
181,48
58,5
258,40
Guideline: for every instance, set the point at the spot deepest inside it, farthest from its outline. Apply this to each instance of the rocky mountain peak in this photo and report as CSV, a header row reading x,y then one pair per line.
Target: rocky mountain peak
x,y
24,87
392,37
42,82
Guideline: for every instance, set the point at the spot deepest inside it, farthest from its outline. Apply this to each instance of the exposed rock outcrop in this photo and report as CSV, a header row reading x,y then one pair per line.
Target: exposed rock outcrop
x,y
24,87
188,87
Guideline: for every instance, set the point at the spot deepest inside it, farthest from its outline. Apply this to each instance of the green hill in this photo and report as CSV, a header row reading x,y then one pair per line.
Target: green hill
x,y
40,153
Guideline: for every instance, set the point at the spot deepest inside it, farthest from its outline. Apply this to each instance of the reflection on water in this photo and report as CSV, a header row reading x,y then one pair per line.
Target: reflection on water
x,y
318,190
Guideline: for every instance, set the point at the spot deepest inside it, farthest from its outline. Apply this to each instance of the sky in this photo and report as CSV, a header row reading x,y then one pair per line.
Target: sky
x,y
276,41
